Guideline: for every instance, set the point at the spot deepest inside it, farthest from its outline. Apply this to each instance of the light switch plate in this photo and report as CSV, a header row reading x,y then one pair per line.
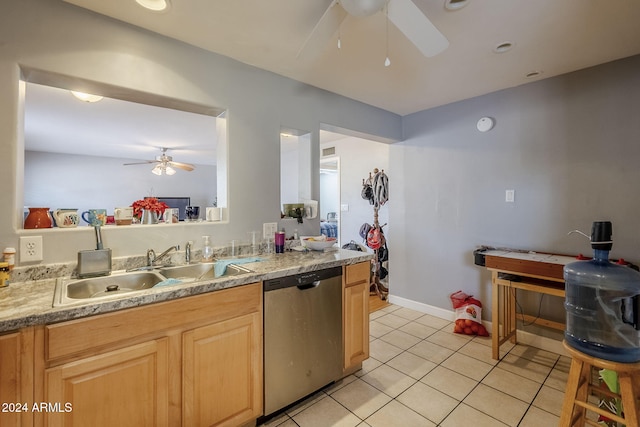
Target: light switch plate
x,y
510,196
269,230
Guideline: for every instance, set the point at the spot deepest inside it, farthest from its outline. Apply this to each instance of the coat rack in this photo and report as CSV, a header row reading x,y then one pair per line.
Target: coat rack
x,y
376,190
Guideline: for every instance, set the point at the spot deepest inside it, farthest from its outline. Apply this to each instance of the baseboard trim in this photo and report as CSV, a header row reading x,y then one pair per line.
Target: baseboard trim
x,y
524,337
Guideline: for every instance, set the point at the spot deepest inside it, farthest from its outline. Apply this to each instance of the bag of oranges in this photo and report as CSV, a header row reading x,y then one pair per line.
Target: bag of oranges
x,y
468,315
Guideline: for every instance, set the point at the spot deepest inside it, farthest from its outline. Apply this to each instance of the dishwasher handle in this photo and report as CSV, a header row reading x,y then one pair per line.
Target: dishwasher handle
x,y
309,285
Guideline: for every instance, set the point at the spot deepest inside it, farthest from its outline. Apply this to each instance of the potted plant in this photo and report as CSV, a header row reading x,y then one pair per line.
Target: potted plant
x,y
148,210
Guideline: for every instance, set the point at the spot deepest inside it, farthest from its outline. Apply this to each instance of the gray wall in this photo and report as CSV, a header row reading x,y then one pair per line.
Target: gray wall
x,y
569,146
97,52
85,182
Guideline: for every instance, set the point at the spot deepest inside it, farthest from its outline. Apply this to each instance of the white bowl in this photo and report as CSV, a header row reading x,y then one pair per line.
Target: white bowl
x,y
319,245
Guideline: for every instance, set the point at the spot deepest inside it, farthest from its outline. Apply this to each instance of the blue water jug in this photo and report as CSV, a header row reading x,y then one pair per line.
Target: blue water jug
x,y
602,303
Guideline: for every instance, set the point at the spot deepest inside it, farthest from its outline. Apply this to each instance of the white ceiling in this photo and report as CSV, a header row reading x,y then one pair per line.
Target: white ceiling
x,y
550,36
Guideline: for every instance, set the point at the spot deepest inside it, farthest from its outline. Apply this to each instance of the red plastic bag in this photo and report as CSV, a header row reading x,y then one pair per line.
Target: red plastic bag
x,y
468,315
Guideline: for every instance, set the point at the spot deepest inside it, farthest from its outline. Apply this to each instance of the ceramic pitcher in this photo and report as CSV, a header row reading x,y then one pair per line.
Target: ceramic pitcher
x,y
149,217
38,218
66,218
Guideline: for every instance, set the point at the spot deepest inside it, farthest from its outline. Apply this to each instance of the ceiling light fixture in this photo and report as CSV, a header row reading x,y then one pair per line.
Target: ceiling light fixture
x,y
154,5
455,4
503,47
86,97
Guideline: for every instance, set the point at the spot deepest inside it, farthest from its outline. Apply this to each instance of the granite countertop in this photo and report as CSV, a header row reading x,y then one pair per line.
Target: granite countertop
x,y
30,303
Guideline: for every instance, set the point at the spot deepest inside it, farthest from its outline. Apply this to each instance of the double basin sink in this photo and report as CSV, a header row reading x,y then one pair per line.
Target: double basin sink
x,y
69,291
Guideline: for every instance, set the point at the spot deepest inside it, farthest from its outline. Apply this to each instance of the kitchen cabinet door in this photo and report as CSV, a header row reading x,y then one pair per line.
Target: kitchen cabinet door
x,y
222,372
16,378
125,387
356,314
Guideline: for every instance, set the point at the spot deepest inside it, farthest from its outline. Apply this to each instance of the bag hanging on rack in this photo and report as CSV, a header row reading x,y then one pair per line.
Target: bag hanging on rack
x,y
364,231
375,238
383,253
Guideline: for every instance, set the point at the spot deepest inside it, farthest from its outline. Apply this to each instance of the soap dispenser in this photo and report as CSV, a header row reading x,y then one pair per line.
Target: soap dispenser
x,y
207,250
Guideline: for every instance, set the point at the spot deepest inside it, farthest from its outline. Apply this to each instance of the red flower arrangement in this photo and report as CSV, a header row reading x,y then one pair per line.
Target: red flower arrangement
x,y
150,204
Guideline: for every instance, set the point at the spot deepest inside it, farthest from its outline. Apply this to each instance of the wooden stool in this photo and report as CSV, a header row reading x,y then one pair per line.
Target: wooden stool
x,y
579,388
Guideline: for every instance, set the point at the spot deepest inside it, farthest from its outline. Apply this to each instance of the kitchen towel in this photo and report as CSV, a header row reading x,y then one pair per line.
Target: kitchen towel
x,y
220,266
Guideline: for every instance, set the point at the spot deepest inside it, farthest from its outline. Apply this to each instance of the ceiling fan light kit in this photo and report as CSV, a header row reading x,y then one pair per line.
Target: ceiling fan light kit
x,y
404,14
163,170
165,164
362,8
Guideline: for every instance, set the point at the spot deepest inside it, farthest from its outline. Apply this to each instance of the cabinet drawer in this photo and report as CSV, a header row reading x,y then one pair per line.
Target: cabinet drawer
x,y
92,334
356,273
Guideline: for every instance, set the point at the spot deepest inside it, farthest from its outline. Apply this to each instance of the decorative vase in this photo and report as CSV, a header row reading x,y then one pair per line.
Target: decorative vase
x,y
149,217
38,218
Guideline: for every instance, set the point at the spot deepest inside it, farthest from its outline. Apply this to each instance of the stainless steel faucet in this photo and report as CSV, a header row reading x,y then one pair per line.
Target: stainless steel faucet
x,y
152,258
187,252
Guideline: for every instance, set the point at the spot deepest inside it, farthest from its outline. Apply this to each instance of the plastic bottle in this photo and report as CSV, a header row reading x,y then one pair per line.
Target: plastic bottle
x,y
603,303
279,241
207,250
9,255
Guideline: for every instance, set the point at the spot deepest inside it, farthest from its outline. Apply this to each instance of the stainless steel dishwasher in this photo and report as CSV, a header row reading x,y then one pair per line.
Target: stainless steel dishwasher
x,y
302,335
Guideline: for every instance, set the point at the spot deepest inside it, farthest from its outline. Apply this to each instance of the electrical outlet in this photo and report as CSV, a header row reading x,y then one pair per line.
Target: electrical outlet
x,y
269,230
30,248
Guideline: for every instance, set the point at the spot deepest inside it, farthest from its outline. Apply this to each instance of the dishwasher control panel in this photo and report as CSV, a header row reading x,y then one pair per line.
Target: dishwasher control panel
x,y
301,279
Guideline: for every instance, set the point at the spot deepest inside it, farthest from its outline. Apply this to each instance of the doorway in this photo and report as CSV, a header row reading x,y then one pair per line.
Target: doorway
x,y
330,197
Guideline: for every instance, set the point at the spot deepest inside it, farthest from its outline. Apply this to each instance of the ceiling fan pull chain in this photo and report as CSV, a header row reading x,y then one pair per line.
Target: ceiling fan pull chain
x,y
387,61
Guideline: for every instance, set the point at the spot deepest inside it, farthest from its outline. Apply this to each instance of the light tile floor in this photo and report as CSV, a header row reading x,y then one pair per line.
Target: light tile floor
x,y
422,374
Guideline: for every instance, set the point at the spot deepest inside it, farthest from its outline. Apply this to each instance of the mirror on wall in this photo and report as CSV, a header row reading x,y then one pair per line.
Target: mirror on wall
x,y
295,167
107,154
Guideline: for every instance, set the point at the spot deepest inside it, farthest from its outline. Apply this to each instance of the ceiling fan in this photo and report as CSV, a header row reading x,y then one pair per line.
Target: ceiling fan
x,y
165,164
404,14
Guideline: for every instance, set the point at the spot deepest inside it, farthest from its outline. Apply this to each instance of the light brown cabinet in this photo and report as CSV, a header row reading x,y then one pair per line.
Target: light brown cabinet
x,y
195,361
222,367
355,283
16,378
124,387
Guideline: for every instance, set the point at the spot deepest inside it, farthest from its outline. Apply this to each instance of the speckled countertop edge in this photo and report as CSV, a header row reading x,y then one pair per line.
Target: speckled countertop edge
x,y
30,303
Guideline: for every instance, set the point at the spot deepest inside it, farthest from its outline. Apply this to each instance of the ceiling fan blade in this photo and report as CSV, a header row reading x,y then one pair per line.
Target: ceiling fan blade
x,y
141,163
416,27
323,31
183,166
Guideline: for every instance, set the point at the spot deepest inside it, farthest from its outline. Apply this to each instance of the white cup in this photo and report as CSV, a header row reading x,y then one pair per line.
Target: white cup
x,y
124,215
171,216
213,214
